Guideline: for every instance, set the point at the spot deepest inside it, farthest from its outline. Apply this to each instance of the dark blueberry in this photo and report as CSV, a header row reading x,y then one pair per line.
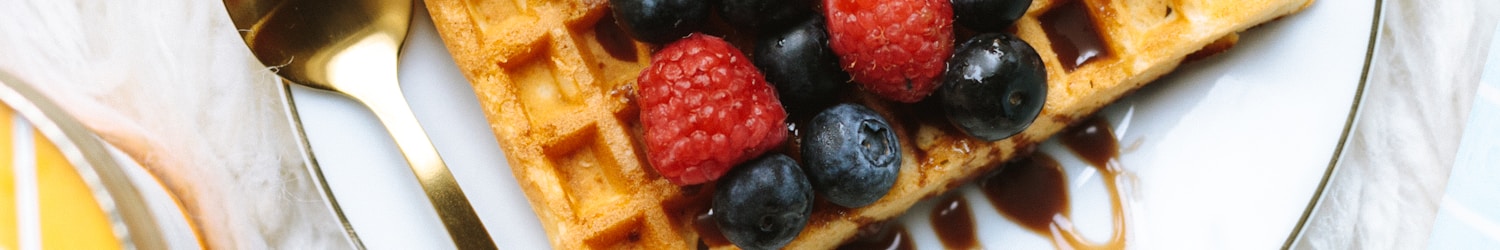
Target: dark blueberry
x,y
764,203
989,15
800,64
764,14
995,86
851,154
659,21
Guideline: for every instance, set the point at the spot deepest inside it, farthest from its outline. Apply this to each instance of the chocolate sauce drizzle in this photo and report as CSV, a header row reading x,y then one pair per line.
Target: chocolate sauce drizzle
x,y
1032,191
954,224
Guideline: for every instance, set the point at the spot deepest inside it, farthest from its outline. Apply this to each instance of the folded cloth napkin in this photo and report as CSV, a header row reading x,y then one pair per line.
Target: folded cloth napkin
x,y
171,83
1430,55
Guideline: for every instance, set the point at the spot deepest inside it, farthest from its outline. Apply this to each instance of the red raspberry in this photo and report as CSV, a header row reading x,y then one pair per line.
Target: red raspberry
x,y
705,109
894,48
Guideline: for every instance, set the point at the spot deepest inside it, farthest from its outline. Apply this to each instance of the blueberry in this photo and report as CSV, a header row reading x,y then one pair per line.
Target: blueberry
x,y
764,203
764,14
989,15
800,64
852,155
995,86
659,21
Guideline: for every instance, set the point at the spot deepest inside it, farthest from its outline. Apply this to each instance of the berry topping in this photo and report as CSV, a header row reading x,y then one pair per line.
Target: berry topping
x,y
767,15
798,61
659,21
763,204
851,154
989,15
894,48
995,87
705,108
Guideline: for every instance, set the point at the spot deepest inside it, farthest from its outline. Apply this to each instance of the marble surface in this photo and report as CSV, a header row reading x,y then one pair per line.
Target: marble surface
x,y
171,84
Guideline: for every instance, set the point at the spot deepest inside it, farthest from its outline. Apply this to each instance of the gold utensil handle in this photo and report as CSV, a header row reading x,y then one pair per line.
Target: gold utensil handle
x,y
352,47
442,190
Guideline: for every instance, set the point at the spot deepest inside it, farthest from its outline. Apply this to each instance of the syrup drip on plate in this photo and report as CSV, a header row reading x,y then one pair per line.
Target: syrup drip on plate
x,y
954,224
1032,191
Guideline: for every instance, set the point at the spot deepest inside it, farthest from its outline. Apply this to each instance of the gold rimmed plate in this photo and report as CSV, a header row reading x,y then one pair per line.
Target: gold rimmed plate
x,y
1231,151
1226,152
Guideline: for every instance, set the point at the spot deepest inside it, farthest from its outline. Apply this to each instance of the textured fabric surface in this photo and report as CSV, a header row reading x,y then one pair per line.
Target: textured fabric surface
x,y
171,83
1386,192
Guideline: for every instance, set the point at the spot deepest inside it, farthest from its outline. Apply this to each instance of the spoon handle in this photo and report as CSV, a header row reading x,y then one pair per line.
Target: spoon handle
x,y
390,106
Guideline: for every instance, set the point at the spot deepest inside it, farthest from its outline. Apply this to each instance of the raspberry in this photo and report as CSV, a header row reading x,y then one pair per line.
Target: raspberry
x,y
705,109
894,48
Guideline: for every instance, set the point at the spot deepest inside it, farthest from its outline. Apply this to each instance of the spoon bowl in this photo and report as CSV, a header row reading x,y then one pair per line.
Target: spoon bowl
x,y
309,46
352,47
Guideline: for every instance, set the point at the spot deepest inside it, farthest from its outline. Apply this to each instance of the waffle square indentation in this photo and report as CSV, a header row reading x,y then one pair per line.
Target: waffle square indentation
x,y
590,174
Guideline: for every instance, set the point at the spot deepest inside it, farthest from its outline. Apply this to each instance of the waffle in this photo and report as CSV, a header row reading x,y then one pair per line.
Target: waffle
x,y
556,80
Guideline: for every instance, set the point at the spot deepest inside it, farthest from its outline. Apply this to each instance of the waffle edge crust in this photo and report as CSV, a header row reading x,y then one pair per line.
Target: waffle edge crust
x,y
556,81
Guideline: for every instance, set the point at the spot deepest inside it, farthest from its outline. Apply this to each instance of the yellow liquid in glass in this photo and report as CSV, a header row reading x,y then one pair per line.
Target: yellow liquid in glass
x,y
70,217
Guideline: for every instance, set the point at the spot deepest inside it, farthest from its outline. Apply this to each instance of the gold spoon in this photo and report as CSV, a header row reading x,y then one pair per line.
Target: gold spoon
x,y
351,47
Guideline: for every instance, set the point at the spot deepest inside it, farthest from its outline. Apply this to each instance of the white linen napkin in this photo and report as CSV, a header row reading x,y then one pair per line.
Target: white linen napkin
x,y
172,84
1395,166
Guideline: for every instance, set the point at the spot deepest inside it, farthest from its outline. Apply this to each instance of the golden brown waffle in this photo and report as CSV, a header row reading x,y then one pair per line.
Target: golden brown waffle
x,y
556,79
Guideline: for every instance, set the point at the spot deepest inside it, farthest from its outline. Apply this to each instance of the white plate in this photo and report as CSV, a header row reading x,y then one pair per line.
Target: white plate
x,y
1229,151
